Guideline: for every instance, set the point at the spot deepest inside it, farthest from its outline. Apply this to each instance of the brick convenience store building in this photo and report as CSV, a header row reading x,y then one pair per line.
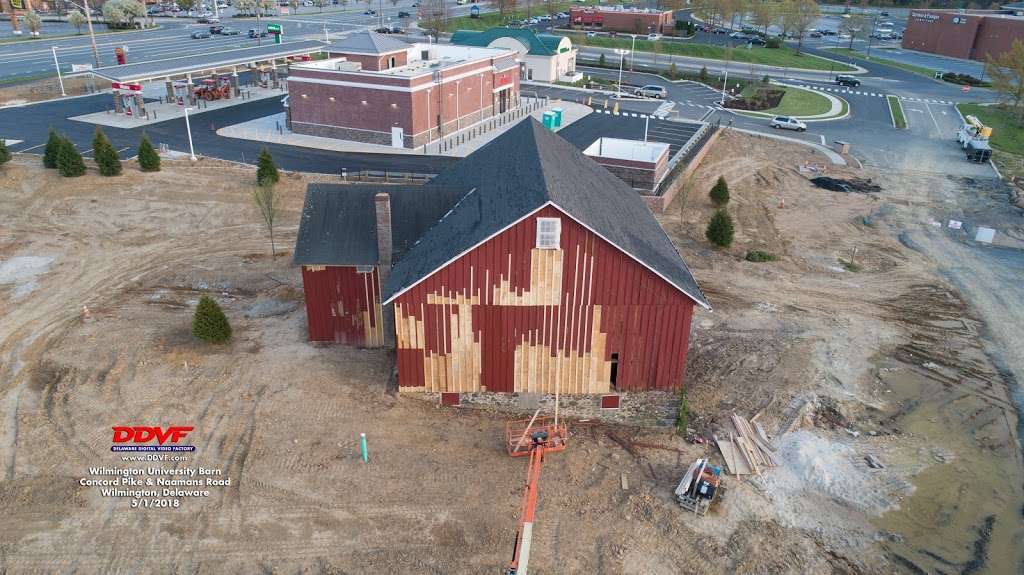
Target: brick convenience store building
x,y
968,35
379,90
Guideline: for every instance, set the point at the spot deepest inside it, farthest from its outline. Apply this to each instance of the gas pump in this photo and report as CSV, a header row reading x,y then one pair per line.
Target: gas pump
x,y
127,100
265,76
181,91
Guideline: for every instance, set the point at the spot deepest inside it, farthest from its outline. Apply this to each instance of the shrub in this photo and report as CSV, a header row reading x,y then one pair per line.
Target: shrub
x,y
720,229
704,74
209,322
149,160
52,150
720,192
105,154
766,80
5,154
266,171
773,43
601,61
759,257
683,417
69,161
673,71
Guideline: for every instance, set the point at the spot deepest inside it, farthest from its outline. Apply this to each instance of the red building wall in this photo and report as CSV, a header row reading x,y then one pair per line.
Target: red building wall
x,y
343,305
969,36
509,317
630,21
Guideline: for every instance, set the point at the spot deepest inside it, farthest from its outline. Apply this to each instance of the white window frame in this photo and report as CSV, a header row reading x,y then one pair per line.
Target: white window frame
x,y
544,237
364,269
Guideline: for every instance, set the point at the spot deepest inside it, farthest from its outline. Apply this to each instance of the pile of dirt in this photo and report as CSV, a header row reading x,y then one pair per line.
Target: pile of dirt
x,y
850,186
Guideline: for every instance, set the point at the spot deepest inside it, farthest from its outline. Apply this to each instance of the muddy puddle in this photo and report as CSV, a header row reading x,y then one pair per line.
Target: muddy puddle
x,y
965,514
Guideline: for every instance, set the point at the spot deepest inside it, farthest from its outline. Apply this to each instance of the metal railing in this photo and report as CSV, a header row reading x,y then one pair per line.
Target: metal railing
x,y
685,155
526,106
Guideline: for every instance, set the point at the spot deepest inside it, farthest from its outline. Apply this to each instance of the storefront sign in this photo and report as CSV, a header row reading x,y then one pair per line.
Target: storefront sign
x,y
924,17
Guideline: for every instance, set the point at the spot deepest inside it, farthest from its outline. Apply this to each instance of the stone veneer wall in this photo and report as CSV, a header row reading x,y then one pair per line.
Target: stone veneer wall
x,y
646,408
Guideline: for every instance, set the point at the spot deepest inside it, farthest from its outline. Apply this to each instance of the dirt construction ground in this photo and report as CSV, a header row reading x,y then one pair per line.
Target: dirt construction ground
x,y
850,342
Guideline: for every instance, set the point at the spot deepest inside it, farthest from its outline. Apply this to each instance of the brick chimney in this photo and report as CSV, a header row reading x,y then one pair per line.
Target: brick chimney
x,y
382,203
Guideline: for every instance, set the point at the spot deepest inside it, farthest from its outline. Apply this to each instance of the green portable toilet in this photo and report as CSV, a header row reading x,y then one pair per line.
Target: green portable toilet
x,y
548,118
558,116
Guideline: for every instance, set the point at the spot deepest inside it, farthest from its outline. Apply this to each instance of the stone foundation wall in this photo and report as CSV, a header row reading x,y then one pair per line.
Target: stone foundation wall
x,y
646,408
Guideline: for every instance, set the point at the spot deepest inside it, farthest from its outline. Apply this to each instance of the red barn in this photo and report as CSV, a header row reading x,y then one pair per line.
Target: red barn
x,y
525,267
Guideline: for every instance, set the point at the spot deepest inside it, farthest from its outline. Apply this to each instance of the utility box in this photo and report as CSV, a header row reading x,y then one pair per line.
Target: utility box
x,y
841,147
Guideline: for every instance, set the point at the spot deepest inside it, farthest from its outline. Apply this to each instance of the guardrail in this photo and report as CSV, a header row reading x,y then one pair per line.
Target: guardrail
x,y
679,162
385,176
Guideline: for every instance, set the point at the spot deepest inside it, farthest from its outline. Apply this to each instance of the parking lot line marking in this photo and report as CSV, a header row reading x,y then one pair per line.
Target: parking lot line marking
x,y
934,121
822,139
27,149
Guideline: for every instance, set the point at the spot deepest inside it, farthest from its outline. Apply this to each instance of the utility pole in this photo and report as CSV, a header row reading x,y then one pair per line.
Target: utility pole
x,y
92,36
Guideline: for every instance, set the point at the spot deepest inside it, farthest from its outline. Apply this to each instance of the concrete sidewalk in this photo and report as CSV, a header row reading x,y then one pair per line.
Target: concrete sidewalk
x,y
273,129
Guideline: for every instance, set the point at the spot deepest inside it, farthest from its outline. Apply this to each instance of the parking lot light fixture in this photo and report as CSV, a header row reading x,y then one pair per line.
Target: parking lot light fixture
x,y
188,128
622,58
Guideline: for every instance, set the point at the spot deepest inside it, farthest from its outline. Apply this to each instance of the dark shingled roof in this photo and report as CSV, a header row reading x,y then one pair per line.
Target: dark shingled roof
x,y
517,173
338,222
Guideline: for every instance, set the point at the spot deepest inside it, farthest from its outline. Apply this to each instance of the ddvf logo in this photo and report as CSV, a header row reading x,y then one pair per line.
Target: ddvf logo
x,y
141,434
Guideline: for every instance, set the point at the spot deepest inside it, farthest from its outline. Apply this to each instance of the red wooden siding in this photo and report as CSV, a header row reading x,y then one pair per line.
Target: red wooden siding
x,y
343,305
508,317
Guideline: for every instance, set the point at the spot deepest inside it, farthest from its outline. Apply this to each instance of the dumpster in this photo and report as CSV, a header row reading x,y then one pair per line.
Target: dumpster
x,y
548,119
558,117
841,147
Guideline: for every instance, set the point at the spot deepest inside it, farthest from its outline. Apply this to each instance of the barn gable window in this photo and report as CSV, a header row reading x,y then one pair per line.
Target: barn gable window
x,y
549,231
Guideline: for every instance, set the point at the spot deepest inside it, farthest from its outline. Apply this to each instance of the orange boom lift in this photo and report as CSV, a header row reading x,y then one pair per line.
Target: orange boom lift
x,y
534,439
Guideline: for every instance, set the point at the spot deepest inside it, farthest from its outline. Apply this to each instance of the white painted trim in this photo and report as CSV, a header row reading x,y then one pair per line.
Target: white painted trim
x,y
567,214
502,88
386,87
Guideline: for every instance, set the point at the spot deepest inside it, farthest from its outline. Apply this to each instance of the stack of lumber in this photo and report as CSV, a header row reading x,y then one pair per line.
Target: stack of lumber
x,y
747,451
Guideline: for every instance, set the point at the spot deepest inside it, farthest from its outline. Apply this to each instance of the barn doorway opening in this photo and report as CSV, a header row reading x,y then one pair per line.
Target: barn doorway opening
x,y
615,371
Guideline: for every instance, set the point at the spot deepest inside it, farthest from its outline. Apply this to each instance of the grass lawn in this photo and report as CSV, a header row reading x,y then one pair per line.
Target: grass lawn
x,y
1007,133
796,102
897,112
891,63
782,57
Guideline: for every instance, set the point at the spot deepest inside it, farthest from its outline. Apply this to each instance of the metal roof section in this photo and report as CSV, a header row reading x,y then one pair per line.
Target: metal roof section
x,y
537,44
367,43
516,174
208,61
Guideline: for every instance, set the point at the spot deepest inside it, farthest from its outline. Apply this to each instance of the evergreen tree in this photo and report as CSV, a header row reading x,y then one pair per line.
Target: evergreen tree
x,y
704,74
149,160
5,154
720,192
105,154
673,71
601,61
69,161
266,171
209,322
720,229
52,148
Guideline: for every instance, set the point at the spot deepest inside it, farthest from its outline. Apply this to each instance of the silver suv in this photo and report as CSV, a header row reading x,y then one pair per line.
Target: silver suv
x,y
651,91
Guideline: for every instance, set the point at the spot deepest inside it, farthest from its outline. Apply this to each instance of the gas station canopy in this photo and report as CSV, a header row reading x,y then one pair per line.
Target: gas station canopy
x,y
208,62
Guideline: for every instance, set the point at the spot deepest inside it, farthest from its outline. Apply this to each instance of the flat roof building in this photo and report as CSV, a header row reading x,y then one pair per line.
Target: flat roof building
x,y
619,19
378,90
962,34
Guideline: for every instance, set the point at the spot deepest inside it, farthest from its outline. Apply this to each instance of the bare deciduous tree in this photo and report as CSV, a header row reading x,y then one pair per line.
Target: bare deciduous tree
x,y
1007,73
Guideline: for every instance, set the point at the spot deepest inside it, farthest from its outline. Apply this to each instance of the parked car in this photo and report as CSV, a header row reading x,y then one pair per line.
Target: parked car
x,y
883,13
719,30
203,20
846,80
815,34
651,91
544,18
404,15
382,30
787,123
562,15
738,36
369,12
307,3
254,33
200,34
653,37
756,41
591,34
230,32
217,29
396,29
415,4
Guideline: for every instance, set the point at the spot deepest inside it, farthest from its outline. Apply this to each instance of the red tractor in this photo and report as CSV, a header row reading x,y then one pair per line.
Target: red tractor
x,y
212,89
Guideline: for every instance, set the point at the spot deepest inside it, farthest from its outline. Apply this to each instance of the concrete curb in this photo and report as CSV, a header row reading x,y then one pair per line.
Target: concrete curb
x,y
740,65
832,156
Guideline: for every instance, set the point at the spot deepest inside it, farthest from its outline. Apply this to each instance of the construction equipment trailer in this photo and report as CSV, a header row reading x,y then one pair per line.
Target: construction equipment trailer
x,y
973,137
533,439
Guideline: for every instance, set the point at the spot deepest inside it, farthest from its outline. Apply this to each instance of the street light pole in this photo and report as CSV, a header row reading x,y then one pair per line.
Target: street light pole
x,y
188,128
632,50
874,23
88,21
622,58
57,65
725,83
